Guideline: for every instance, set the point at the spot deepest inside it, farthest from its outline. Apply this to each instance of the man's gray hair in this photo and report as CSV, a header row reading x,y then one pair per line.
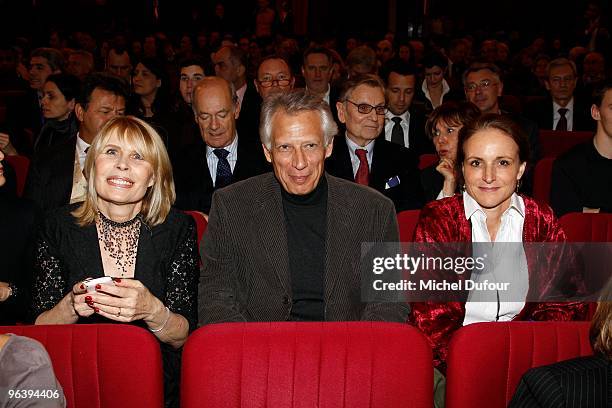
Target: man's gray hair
x,y
559,62
293,103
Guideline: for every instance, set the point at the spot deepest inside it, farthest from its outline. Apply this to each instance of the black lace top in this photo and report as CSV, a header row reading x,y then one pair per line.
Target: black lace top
x,y
166,262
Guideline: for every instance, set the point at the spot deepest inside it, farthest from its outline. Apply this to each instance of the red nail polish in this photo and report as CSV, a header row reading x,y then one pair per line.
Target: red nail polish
x,y
82,286
117,279
98,286
87,299
96,310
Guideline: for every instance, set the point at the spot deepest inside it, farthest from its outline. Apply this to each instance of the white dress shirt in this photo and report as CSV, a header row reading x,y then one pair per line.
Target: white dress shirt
x,y
352,146
212,159
240,94
445,90
569,115
405,124
81,146
490,306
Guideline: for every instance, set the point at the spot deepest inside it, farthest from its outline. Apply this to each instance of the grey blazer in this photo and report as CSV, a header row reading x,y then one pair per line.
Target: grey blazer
x,y
245,273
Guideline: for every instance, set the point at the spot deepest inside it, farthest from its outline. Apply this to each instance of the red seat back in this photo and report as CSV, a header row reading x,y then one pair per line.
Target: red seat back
x,y
428,159
555,142
542,179
287,364
102,365
407,221
586,227
201,223
486,360
21,164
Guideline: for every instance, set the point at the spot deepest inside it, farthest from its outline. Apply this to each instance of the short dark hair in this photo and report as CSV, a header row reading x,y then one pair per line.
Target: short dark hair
x,y
54,58
494,121
195,60
479,66
398,66
68,85
318,50
435,59
271,57
353,82
457,113
237,55
104,81
601,90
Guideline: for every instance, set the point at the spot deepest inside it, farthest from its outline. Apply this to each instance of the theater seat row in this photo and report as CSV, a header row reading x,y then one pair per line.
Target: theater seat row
x,y
285,364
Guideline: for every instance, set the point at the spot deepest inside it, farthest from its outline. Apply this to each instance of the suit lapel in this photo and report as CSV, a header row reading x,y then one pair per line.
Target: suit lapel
x,y
378,170
269,216
340,161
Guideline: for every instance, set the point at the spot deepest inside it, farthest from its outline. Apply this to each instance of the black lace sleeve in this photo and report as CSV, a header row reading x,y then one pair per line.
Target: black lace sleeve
x,y
49,277
183,276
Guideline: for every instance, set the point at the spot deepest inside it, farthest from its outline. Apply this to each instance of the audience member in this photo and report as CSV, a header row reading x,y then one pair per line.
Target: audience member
x,y
225,157
435,89
361,61
278,246
127,230
273,75
384,51
360,155
80,64
581,178
318,68
118,63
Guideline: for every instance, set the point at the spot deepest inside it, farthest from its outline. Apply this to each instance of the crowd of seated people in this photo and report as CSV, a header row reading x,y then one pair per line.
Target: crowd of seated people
x,y
296,151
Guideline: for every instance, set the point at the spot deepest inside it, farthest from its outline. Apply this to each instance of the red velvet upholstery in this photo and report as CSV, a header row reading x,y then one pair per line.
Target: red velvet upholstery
x,y
586,227
555,142
292,365
21,164
102,365
201,223
407,221
542,179
426,160
486,360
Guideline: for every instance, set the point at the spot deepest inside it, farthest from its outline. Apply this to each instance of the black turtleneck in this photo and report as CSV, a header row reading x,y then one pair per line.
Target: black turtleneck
x,y
306,224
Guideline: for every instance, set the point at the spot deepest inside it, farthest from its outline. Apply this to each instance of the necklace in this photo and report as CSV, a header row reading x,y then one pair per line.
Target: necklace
x,y
120,240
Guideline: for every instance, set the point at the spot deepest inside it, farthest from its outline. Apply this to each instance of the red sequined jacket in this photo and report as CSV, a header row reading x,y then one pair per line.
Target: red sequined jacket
x,y
445,221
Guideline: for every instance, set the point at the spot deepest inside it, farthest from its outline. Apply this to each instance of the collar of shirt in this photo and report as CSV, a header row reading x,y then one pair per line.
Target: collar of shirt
x,y
212,159
405,124
470,206
81,145
512,220
352,146
240,93
569,115
326,96
445,90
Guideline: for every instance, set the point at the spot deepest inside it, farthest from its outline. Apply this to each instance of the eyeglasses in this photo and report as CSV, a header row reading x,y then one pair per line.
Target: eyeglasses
x,y
365,108
267,83
484,84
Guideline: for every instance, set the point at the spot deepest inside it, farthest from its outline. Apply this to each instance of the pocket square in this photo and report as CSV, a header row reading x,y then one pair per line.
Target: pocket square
x,y
392,182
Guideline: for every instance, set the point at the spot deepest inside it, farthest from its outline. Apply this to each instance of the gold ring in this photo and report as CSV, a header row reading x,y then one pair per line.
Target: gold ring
x,y
119,313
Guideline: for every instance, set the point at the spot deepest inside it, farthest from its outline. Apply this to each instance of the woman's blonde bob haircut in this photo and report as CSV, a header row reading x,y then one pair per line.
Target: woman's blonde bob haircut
x,y
601,325
159,197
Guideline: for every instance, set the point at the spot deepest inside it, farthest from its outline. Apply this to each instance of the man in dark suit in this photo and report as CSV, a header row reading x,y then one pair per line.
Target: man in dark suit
x,y
231,64
403,125
56,178
223,158
287,245
360,155
561,110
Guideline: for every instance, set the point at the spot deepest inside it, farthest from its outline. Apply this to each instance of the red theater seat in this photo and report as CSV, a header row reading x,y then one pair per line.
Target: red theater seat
x,y
486,360
587,227
102,365
293,365
554,142
21,165
542,179
426,160
407,221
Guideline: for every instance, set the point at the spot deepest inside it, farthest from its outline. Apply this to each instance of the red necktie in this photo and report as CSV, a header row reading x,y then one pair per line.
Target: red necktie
x,y
363,172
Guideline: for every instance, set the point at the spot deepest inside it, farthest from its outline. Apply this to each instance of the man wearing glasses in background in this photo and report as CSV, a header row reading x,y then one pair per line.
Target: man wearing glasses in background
x,y
483,87
359,154
273,75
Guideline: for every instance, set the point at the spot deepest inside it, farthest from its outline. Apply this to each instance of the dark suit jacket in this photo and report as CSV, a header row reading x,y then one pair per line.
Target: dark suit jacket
x,y
541,111
247,123
577,383
22,113
419,143
194,186
388,160
49,182
245,274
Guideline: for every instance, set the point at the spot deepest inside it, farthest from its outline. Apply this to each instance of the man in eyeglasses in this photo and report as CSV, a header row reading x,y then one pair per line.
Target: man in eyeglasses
x,y
483,87
273,75
360,155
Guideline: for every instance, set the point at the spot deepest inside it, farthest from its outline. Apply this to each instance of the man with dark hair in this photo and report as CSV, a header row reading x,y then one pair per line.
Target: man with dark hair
x,y
317,69
284,246
224,158
80,63
273,75
56,178
582,177
561,110
231,63
403,125
360,155
118,63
